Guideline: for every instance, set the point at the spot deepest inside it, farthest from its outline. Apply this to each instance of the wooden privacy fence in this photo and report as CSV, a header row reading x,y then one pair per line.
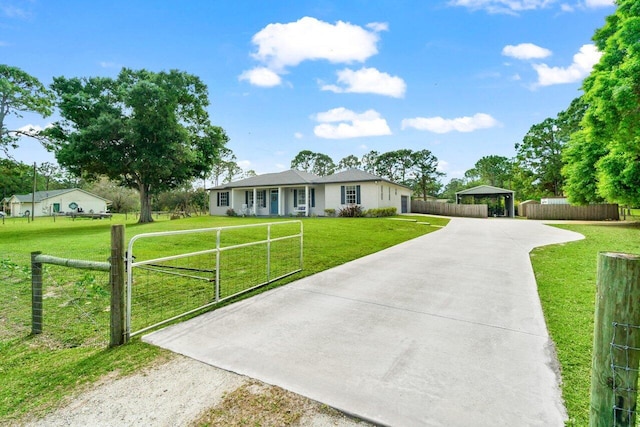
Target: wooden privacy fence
x,y
570,212
449,209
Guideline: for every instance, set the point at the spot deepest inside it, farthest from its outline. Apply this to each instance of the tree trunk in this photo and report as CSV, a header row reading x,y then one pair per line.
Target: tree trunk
x,y
145,204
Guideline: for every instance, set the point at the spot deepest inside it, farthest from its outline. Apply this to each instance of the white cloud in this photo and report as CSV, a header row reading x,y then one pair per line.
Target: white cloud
x,y
298,135
566,7
378,26
368,80
244,164
33,129
442,166
262,77
583,62
502,6
281,166
350,124
526,51
107,64
599,3
460,124
282,45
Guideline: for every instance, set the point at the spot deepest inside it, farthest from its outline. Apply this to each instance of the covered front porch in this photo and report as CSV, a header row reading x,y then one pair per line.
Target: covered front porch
x,y
269,201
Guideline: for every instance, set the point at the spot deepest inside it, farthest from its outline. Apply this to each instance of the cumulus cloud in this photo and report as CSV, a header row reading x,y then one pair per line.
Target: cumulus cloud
x,y
282,45
261,76
502,6
526,51
368,80
460,124
599,3
279,46
583,63
442,166
33,129
341,123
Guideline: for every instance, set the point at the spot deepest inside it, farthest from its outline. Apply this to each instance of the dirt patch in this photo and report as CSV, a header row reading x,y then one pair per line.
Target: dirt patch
x,y
183,391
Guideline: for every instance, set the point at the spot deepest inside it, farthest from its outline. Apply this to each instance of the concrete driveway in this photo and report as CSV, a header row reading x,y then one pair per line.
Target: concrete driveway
x,y
443,330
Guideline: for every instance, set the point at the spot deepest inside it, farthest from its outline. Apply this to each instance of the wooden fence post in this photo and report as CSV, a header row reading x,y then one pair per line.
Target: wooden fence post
x,y
117,285
616,341
36,294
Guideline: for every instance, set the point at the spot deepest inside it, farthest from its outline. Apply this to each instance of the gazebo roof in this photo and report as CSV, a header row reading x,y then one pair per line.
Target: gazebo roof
x,y
484,190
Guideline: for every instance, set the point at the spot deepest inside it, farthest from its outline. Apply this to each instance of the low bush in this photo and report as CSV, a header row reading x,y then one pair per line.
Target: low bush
x,y
351,211
381,212
330,212
231,212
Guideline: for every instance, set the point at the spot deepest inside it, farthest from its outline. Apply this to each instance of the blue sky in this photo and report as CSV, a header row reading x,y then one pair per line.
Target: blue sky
x,y
461,78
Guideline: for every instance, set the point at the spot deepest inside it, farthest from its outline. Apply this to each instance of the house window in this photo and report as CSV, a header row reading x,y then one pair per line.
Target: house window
x,y
262,202
301,198
350,194
223,198
248,198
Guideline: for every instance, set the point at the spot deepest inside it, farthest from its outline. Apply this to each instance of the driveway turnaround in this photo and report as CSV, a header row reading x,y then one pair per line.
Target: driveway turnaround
x,y
443,330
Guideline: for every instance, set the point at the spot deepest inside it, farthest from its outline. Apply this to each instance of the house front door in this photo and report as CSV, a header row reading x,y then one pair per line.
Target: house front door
x,y
56,207
273,205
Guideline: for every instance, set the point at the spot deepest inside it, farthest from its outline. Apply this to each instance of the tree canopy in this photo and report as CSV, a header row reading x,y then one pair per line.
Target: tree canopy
x,y
20,93
317,163
148,131
540,154
603,158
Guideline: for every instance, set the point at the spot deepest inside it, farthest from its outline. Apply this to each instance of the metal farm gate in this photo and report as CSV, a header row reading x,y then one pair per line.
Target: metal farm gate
x,y
177,273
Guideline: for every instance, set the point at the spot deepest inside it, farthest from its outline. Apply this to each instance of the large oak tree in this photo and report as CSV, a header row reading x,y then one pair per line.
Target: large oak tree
x,y
148,131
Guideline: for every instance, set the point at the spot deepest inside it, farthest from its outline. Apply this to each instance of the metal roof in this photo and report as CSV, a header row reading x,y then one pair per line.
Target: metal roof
x,y
484,190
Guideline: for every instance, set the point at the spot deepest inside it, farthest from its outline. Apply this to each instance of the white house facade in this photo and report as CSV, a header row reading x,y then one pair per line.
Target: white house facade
x,y
53,202
295,192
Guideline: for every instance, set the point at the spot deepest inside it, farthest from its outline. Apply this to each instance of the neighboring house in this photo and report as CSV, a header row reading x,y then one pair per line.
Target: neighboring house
x,y
52,202
295,192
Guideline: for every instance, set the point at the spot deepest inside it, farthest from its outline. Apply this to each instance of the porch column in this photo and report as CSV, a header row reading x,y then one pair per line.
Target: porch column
x,y
255,199
307,201
231,204
280,202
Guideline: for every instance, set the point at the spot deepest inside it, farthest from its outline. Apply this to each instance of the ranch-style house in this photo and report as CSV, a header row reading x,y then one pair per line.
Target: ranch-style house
x,y
55,202
296,193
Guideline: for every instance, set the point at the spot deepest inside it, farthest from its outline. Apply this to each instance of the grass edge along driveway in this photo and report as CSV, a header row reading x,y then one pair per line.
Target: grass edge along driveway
x,y
566,277
39,373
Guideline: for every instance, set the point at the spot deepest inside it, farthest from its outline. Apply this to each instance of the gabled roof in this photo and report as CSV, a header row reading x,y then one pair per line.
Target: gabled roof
x,y
484,190
350,175
290,177
296,177
43,195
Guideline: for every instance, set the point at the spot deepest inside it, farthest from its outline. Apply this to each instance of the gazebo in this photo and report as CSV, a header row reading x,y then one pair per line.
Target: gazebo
x,y
484,191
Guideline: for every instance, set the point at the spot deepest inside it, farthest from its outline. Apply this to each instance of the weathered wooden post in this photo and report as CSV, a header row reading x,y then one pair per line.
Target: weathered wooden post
x,y
616,341
36,294
117,285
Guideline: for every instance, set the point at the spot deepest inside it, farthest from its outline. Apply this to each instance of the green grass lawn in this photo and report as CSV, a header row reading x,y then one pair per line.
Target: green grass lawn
x,y
566,276
38,372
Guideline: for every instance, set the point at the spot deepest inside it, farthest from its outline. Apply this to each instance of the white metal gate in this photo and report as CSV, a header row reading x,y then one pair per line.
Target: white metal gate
x,y
166,282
